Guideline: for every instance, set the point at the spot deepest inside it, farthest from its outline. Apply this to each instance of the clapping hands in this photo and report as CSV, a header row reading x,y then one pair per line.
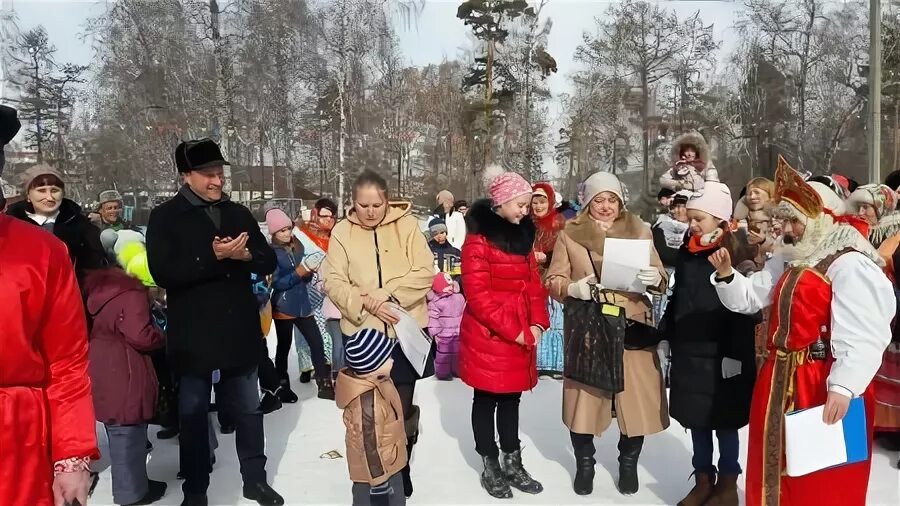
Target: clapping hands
x,y
233,248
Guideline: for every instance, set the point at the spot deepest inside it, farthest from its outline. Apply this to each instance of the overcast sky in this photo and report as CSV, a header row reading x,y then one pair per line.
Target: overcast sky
x,y
434,35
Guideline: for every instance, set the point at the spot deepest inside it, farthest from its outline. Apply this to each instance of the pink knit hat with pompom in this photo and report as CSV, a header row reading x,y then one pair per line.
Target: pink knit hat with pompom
x,y
504,186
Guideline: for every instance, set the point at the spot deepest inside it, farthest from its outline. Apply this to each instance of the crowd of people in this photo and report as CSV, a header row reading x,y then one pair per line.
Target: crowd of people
x,y
781,300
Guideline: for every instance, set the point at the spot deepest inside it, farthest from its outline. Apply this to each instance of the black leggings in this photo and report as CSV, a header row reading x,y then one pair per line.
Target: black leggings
x,y
506,407
284,329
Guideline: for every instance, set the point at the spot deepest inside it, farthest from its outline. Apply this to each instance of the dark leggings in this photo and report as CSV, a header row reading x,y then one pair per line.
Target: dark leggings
x,y
284,329
506,407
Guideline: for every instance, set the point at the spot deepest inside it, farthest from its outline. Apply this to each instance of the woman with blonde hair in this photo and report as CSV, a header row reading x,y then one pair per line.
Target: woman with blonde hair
x,y
574,275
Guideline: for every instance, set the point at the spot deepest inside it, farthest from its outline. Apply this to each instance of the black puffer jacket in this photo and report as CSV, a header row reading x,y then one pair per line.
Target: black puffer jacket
x,y
81,237
702,333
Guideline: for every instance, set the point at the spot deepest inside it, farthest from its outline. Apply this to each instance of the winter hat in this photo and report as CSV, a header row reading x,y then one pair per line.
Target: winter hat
x,y
879,196
546,190
436,226
367,350
276,219
108,239
29,176
600,182
442,281
504,186
109,196
444,196
326,203
665,193
198,154
715,200
126,237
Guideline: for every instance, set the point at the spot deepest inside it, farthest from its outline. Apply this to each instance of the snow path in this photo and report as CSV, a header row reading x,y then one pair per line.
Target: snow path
x,y
445,466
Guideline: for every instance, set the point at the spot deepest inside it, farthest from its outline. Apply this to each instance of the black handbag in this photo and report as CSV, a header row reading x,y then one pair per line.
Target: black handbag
x,y
594,342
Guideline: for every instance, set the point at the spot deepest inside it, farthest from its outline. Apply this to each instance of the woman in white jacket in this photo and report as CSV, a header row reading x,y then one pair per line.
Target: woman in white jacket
x,y
456,222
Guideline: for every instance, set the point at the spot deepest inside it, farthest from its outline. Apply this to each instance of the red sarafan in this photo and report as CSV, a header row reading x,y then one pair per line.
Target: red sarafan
x,y
46,413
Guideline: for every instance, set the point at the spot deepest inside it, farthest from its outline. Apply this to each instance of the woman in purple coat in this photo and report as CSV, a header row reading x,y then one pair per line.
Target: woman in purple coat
x,y
445,309
122,335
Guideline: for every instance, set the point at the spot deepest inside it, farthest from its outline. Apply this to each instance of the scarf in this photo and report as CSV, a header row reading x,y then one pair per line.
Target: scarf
x,y
548,228
706,242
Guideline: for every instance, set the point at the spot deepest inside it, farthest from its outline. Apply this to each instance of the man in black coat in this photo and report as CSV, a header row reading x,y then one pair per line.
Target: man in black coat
x,y
202,249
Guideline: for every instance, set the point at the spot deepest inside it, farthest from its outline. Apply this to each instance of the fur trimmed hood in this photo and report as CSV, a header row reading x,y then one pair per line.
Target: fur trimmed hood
x,y
694,139
508,237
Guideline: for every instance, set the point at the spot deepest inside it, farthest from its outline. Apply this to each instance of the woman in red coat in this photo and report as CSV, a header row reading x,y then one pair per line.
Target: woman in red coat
x,y
505,316
47,434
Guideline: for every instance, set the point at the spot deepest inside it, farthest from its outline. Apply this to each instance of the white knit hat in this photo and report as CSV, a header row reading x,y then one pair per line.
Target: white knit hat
x,y
600,182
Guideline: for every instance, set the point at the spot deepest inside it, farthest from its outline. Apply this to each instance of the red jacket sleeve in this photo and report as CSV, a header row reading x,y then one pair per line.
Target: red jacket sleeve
x,y
64,344
538,298
500,315
137,326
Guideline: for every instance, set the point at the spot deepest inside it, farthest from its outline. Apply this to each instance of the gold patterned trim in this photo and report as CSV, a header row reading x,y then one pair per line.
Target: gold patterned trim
x,y
785,299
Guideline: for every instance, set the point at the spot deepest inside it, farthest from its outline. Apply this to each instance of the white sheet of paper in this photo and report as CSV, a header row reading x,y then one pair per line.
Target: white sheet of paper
x,y
623,259
810,444
414,343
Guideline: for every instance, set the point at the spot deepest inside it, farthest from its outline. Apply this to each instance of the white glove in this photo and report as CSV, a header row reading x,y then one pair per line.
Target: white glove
x,y
649,276
581,289
312,261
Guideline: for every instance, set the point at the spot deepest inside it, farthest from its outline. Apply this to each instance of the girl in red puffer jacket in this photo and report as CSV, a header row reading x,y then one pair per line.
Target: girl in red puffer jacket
x,y
505,316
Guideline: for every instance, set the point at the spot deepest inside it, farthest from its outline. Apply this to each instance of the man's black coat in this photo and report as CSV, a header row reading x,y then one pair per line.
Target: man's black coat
x,y
213,318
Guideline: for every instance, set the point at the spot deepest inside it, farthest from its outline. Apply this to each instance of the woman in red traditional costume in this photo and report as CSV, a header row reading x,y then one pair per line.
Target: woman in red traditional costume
x,y
548,222
47,434
830,322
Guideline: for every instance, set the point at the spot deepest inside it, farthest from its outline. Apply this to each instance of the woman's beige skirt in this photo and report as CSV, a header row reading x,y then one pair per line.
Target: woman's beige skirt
x,y
641,409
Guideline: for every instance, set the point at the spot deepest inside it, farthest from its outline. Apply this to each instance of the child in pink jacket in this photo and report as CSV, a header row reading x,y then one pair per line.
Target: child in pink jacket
x,y
445,309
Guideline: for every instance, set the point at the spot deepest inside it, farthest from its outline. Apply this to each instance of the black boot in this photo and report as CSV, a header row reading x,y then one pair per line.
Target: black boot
x,y
492,479
195,500
285,394
269,403
629,452
583,444
306,376
263,494
326,388
155,491
517,476
167,433
412,437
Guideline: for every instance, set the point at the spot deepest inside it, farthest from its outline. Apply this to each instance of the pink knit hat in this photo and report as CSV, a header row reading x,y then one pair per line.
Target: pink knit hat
x,y
504,186
715,200
276,219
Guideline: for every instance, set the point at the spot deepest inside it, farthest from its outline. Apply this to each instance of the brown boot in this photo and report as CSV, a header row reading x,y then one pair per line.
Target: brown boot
x,y
725,492
703,489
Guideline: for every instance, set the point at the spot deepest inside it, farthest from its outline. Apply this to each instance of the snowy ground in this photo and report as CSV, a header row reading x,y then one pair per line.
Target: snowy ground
x,y
445,466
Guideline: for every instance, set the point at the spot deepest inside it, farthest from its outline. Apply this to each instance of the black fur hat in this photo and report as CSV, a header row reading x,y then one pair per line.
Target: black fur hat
x,y
198,154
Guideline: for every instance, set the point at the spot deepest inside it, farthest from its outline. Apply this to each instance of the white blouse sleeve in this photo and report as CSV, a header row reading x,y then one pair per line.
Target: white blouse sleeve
x,y
750,294
862,307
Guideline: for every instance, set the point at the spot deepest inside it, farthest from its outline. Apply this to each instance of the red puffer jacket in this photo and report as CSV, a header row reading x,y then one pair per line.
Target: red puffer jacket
x,y
504,298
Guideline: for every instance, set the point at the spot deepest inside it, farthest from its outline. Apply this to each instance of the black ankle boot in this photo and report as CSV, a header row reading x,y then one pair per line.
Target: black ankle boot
x,y
583,444
411,424
285,394
629,452
326,388
306,376
492,479
269,402
517,476
263,494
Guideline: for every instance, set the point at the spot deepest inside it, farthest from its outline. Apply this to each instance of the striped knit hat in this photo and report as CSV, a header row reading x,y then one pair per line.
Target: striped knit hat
x,y
367,350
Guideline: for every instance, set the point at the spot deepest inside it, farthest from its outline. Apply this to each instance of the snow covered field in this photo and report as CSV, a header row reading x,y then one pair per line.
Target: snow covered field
x,y
445,466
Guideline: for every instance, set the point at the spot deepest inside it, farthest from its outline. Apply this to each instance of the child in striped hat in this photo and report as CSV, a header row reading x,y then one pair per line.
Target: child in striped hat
x,y
373,416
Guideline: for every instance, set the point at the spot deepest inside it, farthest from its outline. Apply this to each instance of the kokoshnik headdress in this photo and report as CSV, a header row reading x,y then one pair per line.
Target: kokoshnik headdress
x,y
792,189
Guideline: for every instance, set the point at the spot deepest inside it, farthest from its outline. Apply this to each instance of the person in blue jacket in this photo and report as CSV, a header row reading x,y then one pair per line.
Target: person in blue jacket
x,y
291,305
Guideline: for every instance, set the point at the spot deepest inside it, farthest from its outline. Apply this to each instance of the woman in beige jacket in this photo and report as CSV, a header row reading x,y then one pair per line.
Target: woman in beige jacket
x,y
587,411
378,258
